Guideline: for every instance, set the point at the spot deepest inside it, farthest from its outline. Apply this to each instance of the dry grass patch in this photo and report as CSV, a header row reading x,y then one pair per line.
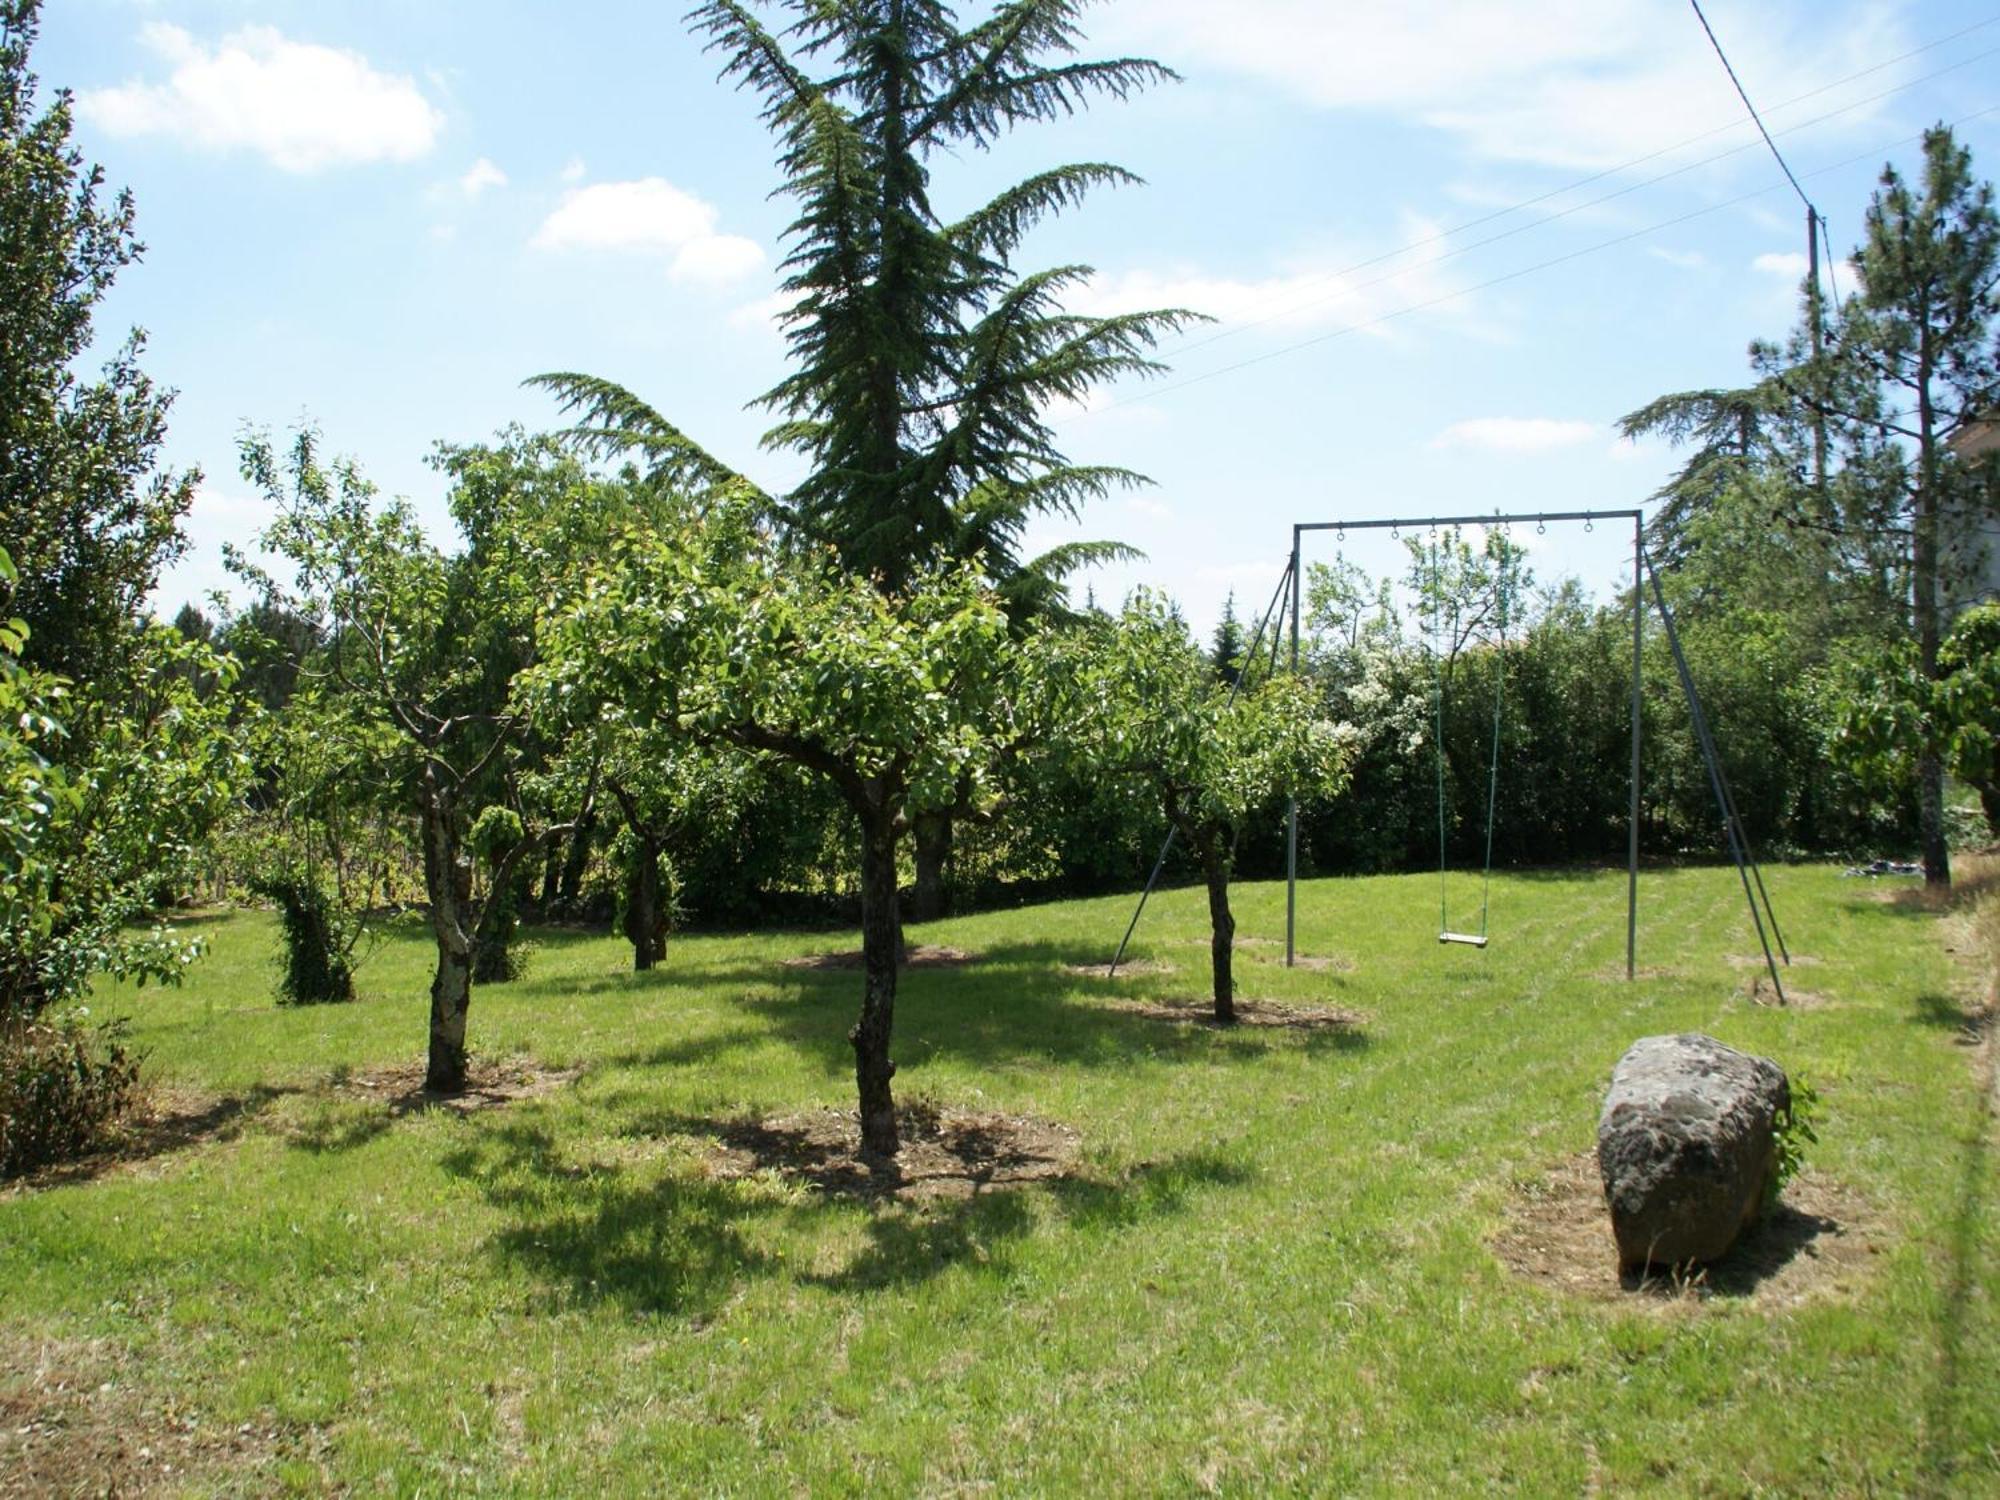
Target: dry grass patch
x,y
946,1153
81,1418
1131,967
1820,1241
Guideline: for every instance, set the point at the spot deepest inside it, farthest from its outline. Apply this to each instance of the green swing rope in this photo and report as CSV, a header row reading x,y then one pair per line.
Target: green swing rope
x,y
1502,588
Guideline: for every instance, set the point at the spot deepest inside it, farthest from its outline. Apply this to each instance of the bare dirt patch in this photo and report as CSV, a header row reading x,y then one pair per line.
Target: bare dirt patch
x,y
1759,992
1292,1016
488,1085
946,1153
919,956
164,1122
76,1418
1819,1242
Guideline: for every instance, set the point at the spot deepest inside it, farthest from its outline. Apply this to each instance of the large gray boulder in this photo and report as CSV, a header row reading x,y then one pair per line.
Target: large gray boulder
x,y
1686,1148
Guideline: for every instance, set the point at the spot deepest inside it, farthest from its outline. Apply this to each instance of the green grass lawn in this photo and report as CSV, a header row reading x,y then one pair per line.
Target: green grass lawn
x,y
1272,1270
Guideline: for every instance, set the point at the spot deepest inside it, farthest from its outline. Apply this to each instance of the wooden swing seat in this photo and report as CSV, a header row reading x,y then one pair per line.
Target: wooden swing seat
x,y
1470,939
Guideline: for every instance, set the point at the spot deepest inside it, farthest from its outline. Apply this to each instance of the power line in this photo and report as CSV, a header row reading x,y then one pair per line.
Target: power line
x,y
1616,240
1412,246
1560,214
1742,94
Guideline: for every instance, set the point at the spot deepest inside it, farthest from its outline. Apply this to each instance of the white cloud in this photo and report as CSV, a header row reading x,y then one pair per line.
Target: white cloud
x,y
302,106
766,314
719,258
573,170
650,216
483,174
1573,83
1516,434
1307,298
1787,263
1687,260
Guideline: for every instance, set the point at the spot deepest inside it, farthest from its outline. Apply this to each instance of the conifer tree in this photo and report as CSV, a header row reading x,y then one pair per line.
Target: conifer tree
x,y
1225,648
925,364
1923,330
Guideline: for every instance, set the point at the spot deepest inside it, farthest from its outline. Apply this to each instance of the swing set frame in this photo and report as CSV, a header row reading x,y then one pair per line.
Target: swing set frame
x,y
1747,869
1762,916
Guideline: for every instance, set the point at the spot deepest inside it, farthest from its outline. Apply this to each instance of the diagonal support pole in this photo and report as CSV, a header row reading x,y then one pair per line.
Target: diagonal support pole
x,y
1737,847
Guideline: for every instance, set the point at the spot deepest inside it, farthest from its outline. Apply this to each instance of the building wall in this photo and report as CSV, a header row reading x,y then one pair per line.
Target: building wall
x,y
1970,542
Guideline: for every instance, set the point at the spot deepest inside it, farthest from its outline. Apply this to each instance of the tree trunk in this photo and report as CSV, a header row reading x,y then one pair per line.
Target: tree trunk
x,y
880,941
552,863
1221,927
931,897
448,882
1924,588
645,911
578,861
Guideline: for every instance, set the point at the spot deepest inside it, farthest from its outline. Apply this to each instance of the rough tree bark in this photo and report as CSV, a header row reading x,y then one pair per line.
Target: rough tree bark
x,y
880,944
1215,864
448,883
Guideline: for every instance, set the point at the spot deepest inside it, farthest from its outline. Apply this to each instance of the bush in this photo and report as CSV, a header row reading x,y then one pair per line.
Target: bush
x,y
62,1085
319,940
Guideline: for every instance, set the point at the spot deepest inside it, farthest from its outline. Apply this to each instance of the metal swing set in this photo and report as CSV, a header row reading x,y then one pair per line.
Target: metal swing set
x,y
1288,595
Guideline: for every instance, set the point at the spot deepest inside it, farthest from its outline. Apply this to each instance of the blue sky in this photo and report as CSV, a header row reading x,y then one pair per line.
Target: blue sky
x,y
383,216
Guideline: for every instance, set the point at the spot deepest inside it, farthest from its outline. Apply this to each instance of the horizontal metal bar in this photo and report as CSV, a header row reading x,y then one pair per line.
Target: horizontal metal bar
x,y
1423,523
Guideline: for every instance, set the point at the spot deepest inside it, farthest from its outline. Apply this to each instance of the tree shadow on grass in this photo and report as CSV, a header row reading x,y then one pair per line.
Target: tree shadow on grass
x,y
1967,1251
908,1243
1008,1003
667,1244
162,1128
677,1242
1974,1024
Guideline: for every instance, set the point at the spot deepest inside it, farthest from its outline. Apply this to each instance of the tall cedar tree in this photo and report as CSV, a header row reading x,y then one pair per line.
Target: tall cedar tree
x,y
88,518
925,363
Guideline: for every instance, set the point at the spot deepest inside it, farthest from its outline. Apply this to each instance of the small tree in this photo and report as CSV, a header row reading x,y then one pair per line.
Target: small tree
x,y
1158,713
424,646
1891,708
905,701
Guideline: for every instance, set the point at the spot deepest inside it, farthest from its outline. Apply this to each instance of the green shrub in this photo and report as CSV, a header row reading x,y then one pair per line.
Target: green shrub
x,y
319,934
63,1083
1793,1132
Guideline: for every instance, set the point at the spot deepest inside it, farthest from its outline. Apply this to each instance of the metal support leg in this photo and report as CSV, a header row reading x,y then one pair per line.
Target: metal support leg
x,y
1722,802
